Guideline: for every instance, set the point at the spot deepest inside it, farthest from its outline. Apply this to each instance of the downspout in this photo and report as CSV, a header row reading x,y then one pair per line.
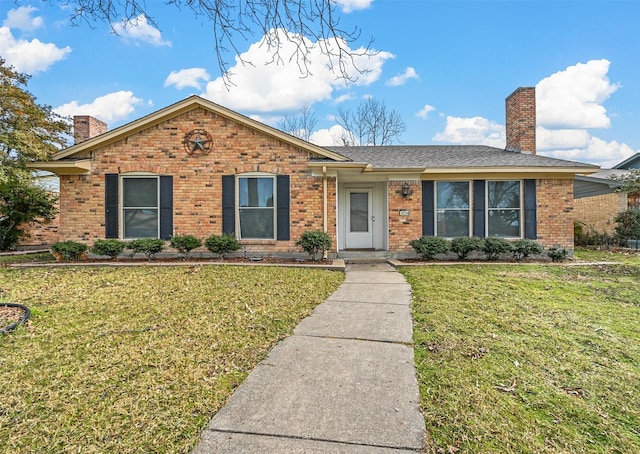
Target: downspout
x,y
325,203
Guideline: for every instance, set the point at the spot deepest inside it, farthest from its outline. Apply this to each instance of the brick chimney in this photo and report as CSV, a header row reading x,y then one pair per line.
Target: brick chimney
x,y
86,127
521,120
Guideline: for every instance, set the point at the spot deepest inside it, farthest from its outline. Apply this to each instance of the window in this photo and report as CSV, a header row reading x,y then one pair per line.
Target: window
x,y
140,207
452,213
504,208
256,210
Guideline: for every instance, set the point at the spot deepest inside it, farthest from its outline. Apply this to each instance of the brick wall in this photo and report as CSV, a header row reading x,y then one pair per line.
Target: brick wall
x,y
403,229
197,180
520,117
555,212
598,212
43,234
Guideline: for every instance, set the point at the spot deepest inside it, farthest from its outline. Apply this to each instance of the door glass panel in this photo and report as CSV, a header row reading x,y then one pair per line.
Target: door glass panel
x,y
359,216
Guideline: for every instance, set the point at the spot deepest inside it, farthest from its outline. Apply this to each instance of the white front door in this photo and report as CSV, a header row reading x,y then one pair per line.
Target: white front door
x,y
359,219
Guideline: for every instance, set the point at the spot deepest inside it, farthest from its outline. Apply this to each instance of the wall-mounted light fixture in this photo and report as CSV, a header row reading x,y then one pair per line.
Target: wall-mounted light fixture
x,y
405,189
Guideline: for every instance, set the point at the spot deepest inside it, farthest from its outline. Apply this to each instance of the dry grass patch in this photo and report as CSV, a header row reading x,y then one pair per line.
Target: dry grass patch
x,y
507,363
138,359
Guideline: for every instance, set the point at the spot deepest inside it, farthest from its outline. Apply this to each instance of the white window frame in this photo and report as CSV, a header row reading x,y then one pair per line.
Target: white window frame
x,y
436,209
273,208
122,208
520,209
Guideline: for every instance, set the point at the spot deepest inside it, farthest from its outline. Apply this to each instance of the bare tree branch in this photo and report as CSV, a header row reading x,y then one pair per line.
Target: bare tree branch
x,y
371,124
308,23
299,125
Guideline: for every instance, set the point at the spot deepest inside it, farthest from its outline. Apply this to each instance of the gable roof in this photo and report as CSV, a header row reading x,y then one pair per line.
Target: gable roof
x,y
182,106
632,162
440,158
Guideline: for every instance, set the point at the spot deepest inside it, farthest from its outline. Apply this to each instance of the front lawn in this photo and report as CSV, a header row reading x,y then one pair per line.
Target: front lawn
x,y
529,358
138,359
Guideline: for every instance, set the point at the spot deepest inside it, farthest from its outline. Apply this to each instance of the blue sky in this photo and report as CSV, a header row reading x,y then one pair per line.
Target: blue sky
x,y
445,66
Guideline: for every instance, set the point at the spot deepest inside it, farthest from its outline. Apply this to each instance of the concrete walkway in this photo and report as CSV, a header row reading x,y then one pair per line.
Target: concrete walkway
x,y
343,383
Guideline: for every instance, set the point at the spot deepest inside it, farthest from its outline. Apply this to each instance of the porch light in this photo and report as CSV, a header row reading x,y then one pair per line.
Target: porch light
x,y
405,189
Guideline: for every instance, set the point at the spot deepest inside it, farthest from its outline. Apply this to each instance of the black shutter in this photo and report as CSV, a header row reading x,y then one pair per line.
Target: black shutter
x,y
428,211
282,214
111,205
530,206
479,197
166,207
229,204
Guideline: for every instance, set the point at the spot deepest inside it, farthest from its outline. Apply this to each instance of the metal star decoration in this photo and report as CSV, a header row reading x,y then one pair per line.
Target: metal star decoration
x,y
198,142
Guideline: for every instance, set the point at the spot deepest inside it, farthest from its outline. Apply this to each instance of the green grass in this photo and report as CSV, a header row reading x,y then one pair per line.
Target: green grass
x,y
26,258
529,358
138,359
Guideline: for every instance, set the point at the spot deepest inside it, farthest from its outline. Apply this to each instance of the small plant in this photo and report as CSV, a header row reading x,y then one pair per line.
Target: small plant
x,y
148,246
185,244
557,254
222,244
430,246
493,247
521,249
628,225
69,250
111,248
314,241
465,245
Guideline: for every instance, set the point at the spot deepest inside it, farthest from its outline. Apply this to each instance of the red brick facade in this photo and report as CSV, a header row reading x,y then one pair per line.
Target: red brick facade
x,y
404,227
197,180
597,213
157,145
555,212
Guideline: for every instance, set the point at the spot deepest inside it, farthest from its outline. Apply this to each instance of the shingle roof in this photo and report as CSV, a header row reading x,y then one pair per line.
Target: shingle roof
x,y
448,156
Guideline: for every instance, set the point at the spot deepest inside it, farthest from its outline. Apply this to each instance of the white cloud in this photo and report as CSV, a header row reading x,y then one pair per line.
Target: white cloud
x,y
401,79
573,98
596,151
568,104
349,6
328,137
191,77
139,30
108,108
22,19
472,131
560,139
278,86
29,57
425,111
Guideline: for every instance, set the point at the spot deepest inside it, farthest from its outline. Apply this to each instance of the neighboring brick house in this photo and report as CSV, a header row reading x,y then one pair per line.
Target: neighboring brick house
x,y
198,168
597,201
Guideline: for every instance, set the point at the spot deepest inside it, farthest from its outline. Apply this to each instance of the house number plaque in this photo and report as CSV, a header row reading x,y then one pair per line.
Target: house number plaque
x,y
404,212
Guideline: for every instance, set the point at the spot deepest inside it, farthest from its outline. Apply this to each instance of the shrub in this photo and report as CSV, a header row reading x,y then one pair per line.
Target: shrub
x,y
465,245
493,247
521,249
222,244
430,246
69,250
185,244
111,248
628,227
313,241
557,254
148,246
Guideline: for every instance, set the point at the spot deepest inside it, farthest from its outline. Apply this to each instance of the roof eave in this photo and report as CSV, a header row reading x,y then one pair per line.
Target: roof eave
x,y
78,167
184,106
